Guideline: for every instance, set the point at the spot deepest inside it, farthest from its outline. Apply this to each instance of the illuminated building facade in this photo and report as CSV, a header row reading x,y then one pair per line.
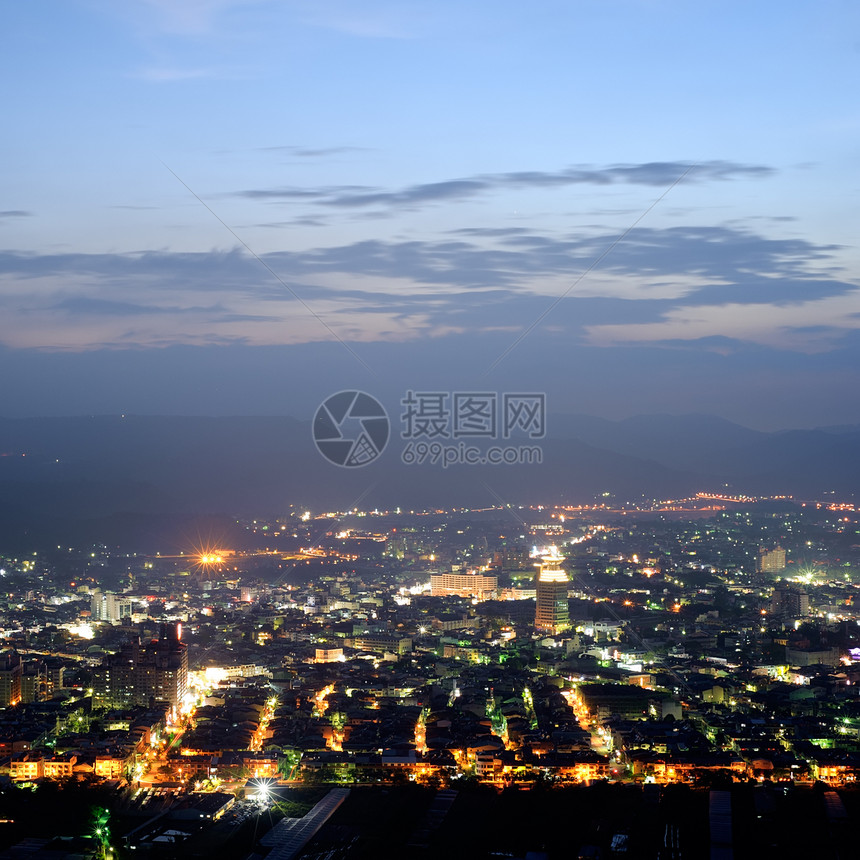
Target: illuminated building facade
x,y
138,675
114,681
551,610
381,643
328,655
456,584
771,561
10,679
109,607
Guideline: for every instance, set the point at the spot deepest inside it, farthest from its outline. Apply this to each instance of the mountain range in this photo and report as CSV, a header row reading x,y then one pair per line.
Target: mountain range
x,y
75,473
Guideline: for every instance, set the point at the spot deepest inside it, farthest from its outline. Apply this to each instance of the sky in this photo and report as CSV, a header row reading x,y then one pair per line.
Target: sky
x,y
240,206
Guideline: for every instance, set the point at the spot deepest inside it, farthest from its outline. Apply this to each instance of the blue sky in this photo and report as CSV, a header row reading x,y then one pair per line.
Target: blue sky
x,y
433,183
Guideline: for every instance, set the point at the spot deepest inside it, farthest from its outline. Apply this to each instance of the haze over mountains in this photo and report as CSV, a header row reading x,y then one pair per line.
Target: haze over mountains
x,y
113,474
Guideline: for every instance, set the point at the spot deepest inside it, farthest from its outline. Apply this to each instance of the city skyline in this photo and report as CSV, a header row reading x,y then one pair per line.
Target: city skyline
x,y
429,428
242,207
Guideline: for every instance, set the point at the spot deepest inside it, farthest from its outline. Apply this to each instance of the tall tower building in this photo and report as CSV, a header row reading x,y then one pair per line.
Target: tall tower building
x,y
551,610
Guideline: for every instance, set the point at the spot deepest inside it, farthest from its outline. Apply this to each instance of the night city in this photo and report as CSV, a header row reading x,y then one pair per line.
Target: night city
x,y
429,430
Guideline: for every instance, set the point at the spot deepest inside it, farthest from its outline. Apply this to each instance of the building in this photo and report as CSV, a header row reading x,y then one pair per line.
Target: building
x,y
803,657
113,765
34,682
10,678
108,607
381,643
114,681
210,806
164,671
59,766
26,766
551,609
789,601
627,701
459,584
140,674
771,560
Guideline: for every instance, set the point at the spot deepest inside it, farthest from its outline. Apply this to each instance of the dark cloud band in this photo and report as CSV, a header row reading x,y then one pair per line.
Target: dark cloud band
x,y
653,174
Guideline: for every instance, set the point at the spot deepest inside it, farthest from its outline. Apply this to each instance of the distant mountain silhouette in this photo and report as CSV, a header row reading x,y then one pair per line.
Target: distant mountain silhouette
x,y
800,462
59,475
678,441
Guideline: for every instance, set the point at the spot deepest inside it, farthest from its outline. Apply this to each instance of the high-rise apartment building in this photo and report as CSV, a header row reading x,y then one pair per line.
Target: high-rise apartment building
x,y
34,682
139,674
771,560
789,601
169,658
551,610
10,678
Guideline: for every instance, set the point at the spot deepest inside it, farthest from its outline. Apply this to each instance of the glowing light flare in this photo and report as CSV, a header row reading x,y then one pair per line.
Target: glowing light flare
x,y
189,700
82,631
415,590
320,703
421,733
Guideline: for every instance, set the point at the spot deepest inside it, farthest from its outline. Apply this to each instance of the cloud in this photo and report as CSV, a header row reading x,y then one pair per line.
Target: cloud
x,y
654,174
658,285
8,214
809,326
85,305
295,222
291,194
314,152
